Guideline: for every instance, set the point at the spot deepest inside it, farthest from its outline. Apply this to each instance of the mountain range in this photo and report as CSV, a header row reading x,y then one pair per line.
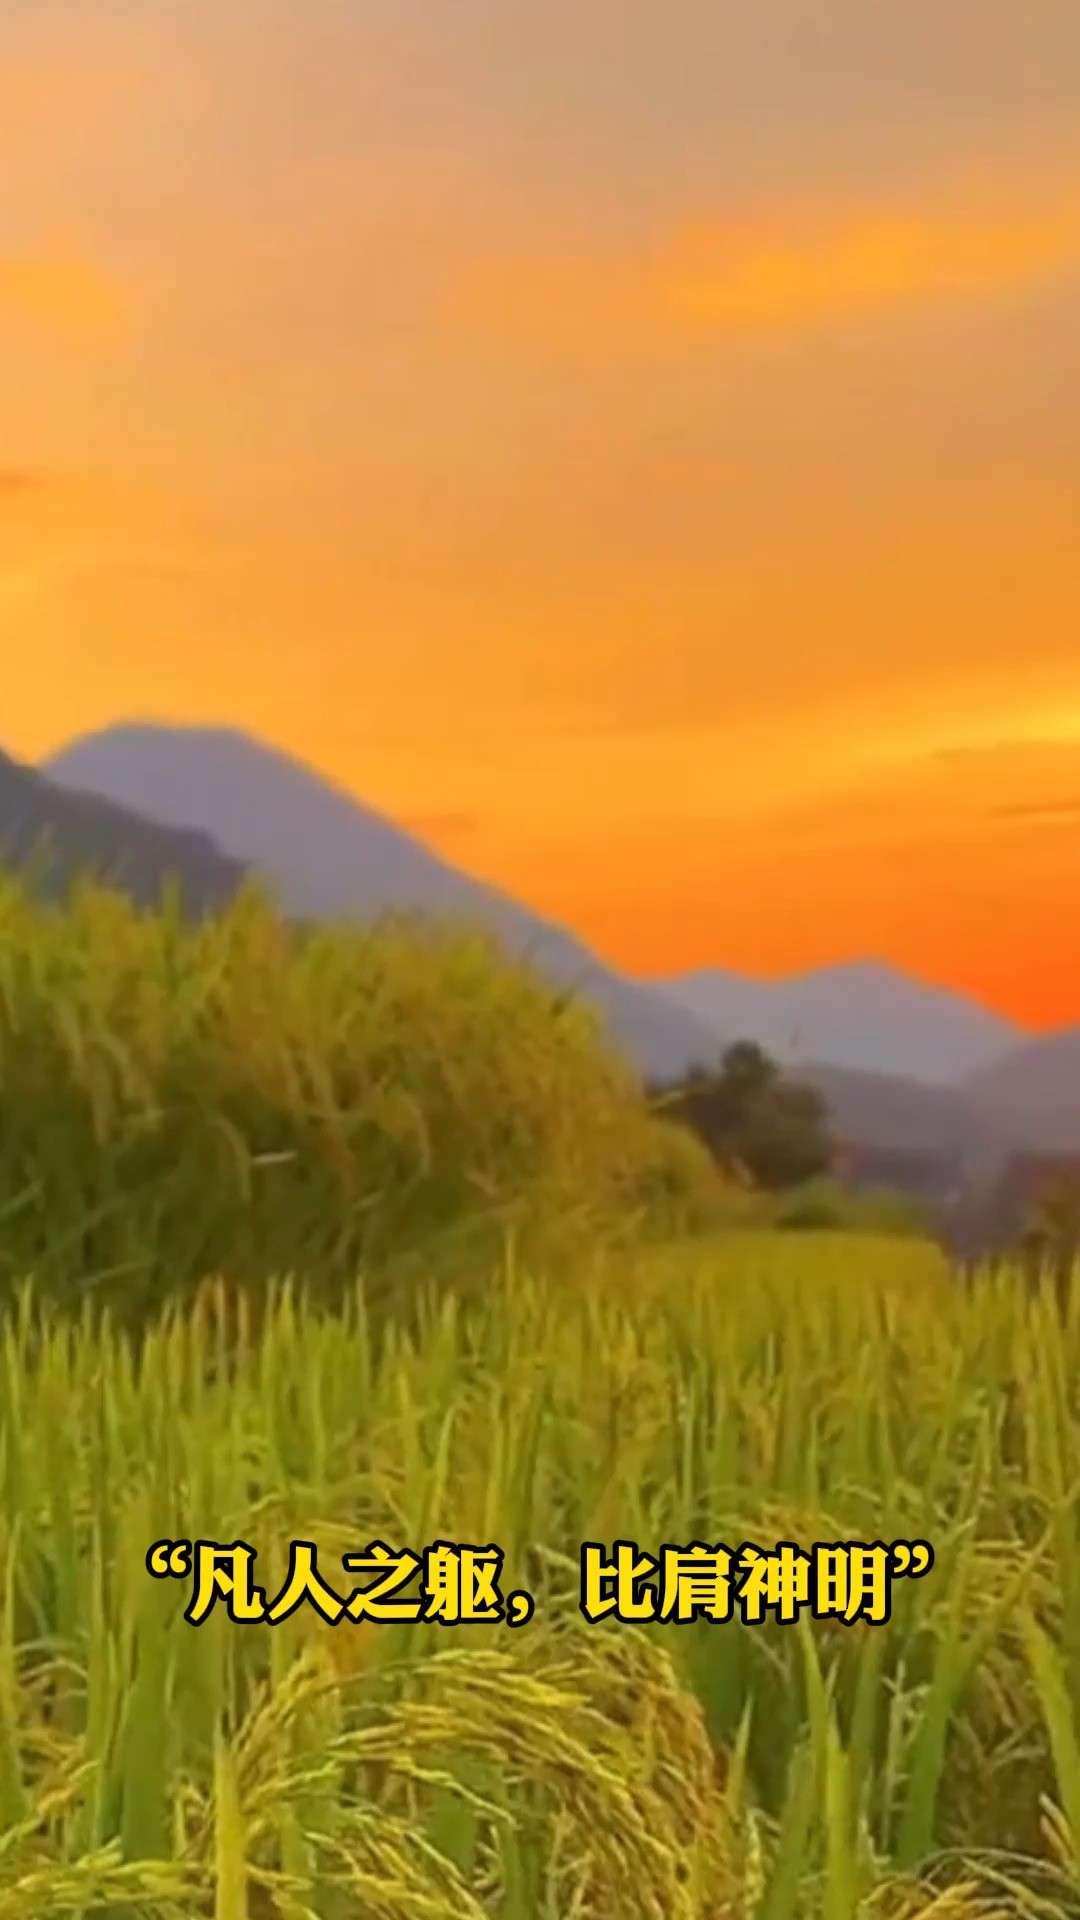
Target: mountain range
x,y
61,834
901,1063
330,857
862,1015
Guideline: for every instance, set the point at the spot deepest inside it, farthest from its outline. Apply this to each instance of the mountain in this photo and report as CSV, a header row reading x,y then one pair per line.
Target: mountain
x,y
887,1112
884,1110
140,803
864,1016
1035,1090
901,1065
328,856
1026,1102
60,833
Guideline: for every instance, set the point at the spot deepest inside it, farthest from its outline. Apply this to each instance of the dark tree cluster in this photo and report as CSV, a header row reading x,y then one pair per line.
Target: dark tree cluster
x,y
756,1122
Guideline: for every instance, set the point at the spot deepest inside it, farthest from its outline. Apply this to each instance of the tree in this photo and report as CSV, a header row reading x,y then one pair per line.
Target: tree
x,y
756,1121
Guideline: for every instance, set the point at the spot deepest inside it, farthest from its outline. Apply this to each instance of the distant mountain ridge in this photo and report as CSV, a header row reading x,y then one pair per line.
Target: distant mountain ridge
x,y
329,856
64,832
226,804
862,1015
1035,1088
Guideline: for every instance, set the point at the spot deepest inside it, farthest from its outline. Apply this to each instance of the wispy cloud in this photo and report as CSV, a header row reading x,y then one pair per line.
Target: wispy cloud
x,y
880,258
792,268
1038,812
70,296
990,749
18,483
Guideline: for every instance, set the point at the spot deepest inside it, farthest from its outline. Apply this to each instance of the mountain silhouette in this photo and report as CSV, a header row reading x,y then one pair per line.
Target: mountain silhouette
x,y
862,1015
138,804
60,833
1035,1089
327,856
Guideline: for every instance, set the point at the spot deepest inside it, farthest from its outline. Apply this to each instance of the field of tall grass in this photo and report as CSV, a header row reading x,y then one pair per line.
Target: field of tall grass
x,y
758,1389
242,1097
509,1322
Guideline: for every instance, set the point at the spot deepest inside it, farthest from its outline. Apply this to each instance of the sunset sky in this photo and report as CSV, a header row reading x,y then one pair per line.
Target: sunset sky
x,y
636,445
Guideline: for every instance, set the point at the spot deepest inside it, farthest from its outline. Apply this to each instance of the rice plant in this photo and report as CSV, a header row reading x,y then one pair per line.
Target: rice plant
x,y
246,1097
758,1389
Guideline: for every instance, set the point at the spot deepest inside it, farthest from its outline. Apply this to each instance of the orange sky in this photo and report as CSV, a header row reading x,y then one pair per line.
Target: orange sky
x,y
635,445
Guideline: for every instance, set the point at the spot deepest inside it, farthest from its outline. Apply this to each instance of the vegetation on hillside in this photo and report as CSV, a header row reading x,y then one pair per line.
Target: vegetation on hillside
x,y
242,1097
246,1099
57,836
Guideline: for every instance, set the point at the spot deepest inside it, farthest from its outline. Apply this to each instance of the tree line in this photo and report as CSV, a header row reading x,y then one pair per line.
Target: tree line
x,y
760,1125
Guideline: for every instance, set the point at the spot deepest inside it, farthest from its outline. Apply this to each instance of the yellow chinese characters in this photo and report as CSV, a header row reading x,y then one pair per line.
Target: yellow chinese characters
x,y
846,1580
455,1584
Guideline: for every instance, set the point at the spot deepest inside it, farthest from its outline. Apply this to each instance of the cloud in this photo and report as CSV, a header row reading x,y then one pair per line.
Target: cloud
x,y
1049,742
1038,812
18,483
68,296
778,271
988,749
879,259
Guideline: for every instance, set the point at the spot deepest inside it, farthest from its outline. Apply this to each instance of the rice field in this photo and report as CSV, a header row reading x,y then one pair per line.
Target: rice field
x,y
245,1097
762,1388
